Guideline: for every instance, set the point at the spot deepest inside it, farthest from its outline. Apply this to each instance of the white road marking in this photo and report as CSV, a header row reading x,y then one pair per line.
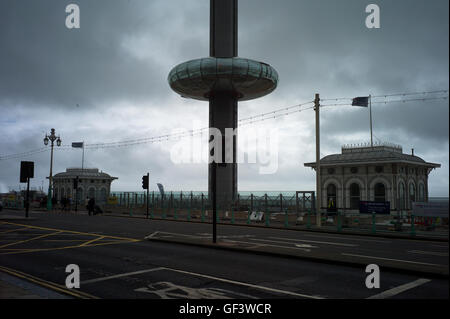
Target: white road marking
x,y
285,292
316,242
284,242
269,245
400,289
350,237
120,275
404,261
151,235
305,246
433,253
173,234
168,290
234,282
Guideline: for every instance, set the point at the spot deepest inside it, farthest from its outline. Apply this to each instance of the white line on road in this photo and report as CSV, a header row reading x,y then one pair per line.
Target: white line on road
x,y
400,289
173,234
283,242
316,242
349,237
120,275
268,245
404,261
151,235
285,292
433,253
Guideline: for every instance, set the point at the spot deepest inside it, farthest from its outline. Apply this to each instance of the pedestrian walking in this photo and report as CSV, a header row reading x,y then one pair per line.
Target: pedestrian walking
x,y
91,206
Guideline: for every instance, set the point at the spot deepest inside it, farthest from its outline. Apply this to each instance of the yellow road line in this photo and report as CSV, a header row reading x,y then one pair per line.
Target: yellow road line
x,y
58,240
12,230
28,240
66,247
48,284
71,231
91,241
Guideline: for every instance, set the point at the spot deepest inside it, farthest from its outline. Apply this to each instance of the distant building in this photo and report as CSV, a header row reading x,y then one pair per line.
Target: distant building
x,y
380,173
91,183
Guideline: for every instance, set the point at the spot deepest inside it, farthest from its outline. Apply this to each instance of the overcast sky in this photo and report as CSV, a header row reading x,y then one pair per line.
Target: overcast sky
x,y
107,82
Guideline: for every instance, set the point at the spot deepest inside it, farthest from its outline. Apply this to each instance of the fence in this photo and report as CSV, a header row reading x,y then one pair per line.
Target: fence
x,y
287,211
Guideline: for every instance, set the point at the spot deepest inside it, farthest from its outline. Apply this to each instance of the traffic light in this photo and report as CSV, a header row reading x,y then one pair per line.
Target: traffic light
x,y
145,182
26,171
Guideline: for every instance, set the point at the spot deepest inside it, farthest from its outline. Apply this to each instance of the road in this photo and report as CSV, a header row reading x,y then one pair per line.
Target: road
x,y
117,261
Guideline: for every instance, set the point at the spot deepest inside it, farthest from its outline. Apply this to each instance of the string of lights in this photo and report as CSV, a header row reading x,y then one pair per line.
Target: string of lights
x,y
393,101
278,113
389,95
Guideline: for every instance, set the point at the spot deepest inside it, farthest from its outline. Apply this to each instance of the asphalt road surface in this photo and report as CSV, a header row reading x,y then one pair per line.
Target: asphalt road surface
x,y
116,261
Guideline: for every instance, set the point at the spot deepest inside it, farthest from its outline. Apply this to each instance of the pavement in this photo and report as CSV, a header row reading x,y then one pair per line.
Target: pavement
x,y
405,234
135,258
304,250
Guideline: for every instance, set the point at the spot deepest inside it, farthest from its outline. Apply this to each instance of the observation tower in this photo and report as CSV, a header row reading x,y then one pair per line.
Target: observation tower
x,y
223,79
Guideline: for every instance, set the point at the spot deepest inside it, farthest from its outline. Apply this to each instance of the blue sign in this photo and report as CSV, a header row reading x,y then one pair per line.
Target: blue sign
x,y
366,207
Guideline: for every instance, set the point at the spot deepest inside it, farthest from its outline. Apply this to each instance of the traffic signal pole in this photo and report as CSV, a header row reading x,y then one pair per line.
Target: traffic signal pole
x,y
28,197
76,193
148,179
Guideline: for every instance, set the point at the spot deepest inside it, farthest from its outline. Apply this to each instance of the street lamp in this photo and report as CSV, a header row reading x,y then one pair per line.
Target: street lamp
x,y
52,137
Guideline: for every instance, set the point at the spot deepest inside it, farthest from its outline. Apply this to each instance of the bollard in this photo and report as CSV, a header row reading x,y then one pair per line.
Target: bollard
x,y
286,222
339,222
308,218
162,209
413,227
373,223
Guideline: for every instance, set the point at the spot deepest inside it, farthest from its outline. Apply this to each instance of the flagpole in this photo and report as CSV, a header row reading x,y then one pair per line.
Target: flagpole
x,y
82,159
370,111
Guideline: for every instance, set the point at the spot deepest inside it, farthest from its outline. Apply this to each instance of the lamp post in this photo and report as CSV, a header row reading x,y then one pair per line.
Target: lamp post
x,y
52,137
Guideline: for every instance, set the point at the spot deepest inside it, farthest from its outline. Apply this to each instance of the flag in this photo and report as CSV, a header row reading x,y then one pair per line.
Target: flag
x,y
161,189
361,101
77,144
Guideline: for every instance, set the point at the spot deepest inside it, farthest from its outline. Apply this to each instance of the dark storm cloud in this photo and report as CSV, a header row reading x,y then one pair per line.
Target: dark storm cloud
x,y
44,62
121,55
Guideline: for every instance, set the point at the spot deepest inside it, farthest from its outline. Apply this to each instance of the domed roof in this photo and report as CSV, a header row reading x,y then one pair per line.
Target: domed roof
x,y
83,173
371,154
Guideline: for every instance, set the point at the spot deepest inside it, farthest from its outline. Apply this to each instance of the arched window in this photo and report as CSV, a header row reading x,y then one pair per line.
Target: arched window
x,y
80,195
380,192
355,194
421,193
63,192
103,195
91,192
412,192
401,195
331,196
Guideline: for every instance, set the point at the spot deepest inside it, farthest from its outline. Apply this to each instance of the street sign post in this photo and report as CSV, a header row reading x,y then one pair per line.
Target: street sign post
x,y
26,172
